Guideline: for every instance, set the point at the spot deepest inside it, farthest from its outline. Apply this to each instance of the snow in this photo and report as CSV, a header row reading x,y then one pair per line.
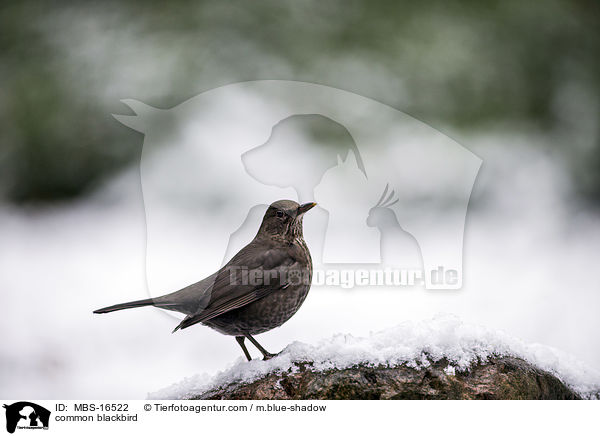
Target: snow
x,y
530,260
414,343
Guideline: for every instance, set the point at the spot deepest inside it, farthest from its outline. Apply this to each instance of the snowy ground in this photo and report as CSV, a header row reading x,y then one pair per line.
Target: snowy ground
x,y
411,343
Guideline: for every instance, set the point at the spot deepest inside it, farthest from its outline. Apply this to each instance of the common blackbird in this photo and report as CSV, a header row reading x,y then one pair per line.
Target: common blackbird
x,y
259,289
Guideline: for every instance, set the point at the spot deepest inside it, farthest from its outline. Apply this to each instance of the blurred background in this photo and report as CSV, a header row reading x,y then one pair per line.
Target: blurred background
x,y
517,83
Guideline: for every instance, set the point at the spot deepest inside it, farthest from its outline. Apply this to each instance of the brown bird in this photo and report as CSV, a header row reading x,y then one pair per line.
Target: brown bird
x,y
259,289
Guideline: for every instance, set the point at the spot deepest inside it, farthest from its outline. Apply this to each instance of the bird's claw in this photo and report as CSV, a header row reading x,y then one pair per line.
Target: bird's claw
x,y
269,356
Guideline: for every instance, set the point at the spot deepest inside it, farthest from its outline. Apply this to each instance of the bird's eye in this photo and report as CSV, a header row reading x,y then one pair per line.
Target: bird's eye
x,y
279,214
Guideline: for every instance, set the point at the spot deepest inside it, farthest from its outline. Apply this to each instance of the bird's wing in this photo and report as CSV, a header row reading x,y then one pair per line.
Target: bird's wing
x,y
188,299
227,306
231,291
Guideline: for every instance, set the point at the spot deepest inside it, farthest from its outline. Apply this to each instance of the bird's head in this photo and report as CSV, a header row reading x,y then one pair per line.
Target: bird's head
x,y
284,218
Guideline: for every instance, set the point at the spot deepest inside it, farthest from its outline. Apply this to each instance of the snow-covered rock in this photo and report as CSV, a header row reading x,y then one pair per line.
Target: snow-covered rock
x,y
443,343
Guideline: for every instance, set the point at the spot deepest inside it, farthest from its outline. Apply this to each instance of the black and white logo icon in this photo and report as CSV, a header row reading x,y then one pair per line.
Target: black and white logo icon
x,y
26,415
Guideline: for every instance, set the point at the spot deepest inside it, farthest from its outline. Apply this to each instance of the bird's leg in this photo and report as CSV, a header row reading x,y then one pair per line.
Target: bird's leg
x,y
264,352
240,340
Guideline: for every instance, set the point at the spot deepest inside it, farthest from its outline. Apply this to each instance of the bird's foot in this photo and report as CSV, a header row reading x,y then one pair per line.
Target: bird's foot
x,y
265,353
268,356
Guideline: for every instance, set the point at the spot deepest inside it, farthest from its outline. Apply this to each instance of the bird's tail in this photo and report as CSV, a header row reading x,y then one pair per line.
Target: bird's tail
x,y
130,305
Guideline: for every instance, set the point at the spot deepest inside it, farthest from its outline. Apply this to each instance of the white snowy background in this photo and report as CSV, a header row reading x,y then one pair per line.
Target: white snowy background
x,y
530,265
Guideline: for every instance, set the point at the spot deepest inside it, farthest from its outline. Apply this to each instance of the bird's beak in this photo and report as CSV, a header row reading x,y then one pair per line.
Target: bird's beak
x,y
305,208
